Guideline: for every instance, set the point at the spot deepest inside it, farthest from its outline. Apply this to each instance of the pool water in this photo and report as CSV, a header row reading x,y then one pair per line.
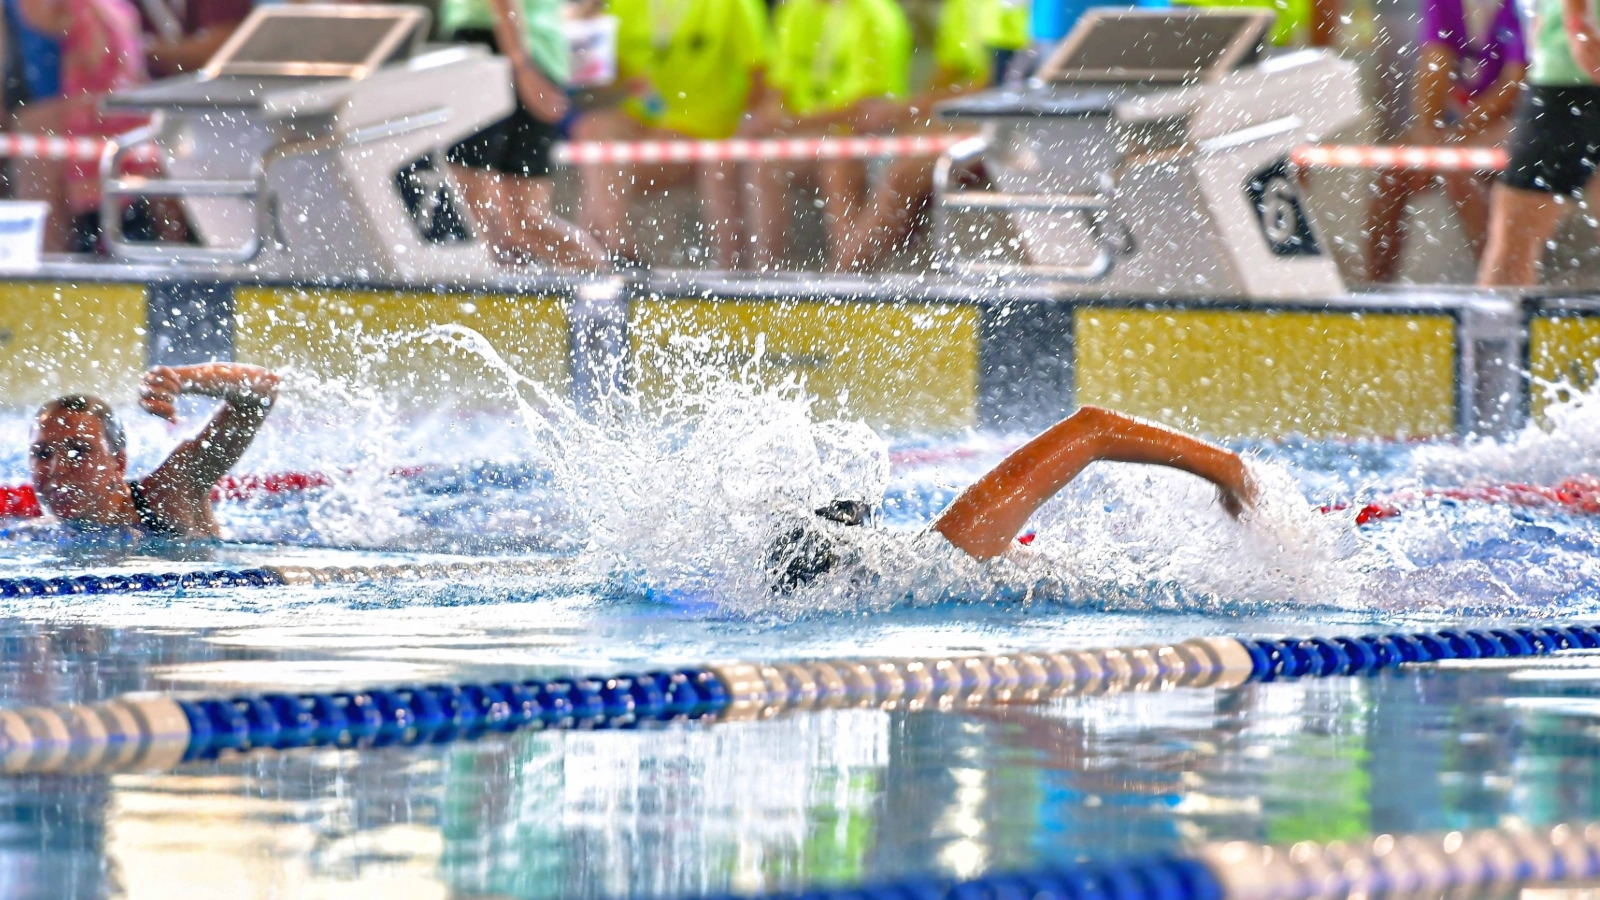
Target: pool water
x,y
653,529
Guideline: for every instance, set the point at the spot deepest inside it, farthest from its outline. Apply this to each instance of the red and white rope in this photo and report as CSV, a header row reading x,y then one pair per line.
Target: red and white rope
x,y
67,149
611,153
89,149
742,150
1431,159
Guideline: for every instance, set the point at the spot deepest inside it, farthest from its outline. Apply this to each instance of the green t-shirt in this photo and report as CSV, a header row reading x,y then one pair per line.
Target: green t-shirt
x,y
696,56
541,23
1550,61
1294,16
970,31
832,53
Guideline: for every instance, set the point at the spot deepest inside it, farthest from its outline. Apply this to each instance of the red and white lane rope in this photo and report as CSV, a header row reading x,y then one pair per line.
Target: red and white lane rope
x,y
1579,495
1324,156
1575,495
1430,159
19,501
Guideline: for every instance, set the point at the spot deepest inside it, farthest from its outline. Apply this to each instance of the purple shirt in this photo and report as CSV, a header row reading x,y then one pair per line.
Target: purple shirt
x,y
1482,57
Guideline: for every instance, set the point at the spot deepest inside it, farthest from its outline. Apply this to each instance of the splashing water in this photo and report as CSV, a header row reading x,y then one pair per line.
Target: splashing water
x,y
1567,445
686,498
680,498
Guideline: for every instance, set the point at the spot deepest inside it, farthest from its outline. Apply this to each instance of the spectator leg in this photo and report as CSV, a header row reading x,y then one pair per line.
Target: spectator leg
x,y
890,214
540,233
514,216
721,213
41,179
607,190
767,214
1470,195
844,188
1520,223
481,190
1394,189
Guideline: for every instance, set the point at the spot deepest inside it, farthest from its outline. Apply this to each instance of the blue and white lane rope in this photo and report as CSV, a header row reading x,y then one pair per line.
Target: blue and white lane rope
x,y
266,576
1458,864
157,731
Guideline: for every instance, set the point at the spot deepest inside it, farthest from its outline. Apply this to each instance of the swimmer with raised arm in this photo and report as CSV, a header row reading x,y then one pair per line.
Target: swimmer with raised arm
x,y
79,454
985,519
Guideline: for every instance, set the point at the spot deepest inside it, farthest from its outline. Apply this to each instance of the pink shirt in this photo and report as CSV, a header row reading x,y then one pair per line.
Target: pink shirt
x,y
102,51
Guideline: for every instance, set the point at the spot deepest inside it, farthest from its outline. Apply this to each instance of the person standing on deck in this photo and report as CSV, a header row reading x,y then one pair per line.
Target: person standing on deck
x,y
839,67
504,169
691,69
1555,145
1463,91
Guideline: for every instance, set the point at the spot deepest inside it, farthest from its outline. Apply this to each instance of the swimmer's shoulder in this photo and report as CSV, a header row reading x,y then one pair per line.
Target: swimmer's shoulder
x,y
171,507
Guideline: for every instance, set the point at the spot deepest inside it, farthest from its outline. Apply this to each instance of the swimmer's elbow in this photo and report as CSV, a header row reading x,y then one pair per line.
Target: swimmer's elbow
x,y
264,387
1096,423
1090,416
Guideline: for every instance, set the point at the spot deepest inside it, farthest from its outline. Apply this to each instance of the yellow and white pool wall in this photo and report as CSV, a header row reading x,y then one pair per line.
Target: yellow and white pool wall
x,y
906,355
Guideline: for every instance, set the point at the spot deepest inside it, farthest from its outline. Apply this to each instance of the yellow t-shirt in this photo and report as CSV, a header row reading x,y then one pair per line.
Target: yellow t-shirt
x,y
1294,16
697,56
970,31
832,53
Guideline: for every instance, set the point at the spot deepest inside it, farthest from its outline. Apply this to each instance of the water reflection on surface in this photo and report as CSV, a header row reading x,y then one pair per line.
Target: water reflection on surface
x,y
835,797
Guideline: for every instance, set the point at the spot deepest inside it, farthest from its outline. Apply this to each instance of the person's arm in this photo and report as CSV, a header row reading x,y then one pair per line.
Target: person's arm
x,y
985,519
765,114
187,54
1582,38
543,97
247,394
50,17
1493,105
1430,92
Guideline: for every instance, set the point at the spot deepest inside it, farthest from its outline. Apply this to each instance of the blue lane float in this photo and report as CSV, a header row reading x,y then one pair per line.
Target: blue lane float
x,y
1397,867
159,731
265,576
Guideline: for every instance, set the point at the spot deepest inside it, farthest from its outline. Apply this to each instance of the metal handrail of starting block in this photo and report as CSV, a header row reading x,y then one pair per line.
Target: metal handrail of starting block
x,y
1111,240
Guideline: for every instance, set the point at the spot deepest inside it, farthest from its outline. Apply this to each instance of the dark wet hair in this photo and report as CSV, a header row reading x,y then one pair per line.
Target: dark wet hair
x,y
804,552
116,438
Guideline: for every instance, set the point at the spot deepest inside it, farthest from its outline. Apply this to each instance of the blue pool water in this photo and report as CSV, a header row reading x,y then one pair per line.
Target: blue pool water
x,y
650,533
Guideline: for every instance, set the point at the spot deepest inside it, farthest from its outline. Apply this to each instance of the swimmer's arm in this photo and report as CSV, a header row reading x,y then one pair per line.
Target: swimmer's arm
x,y
985,519
1582,38
247,394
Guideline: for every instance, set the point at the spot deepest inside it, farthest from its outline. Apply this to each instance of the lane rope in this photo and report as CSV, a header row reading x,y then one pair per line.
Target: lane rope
x,y
590,153
104,736
20,501
1579,495
1397,867
264,576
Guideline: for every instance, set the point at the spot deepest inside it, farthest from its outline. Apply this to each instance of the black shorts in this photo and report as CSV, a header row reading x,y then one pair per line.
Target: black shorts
x,y
517,145
1555,146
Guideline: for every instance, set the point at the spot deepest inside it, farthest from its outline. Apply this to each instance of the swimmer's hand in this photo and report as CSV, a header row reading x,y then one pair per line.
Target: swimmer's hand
x,y
1237,491
238,384
158,392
